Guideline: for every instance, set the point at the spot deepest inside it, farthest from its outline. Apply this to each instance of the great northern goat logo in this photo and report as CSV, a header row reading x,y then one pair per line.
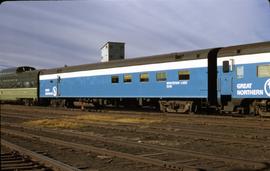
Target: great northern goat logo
x,y
54,89
267,87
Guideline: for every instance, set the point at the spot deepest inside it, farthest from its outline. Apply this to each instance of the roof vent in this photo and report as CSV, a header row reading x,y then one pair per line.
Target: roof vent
x,y
112,51
238,51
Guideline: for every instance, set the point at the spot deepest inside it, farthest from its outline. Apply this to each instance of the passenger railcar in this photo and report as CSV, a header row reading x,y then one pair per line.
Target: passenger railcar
x,y
244,78
149,79
19,84
228,79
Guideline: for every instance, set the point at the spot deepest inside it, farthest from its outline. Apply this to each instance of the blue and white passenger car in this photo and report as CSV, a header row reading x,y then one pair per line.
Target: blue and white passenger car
x,y
244,77
231,79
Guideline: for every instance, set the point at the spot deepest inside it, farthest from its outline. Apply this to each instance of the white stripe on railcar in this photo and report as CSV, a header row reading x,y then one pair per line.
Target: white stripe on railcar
x,y
246,59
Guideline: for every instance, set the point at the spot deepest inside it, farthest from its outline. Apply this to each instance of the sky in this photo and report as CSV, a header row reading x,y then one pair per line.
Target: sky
x,y
49,34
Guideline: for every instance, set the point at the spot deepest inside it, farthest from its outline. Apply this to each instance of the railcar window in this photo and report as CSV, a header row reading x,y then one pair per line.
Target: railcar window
x,y
240,72
161,76
226,66
144,77
127,78
184,75
263,71
115,79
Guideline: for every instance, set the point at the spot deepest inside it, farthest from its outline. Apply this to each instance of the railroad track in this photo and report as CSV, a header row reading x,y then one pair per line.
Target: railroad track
x,y
174,125
193,164
199,119
19,158
102,151
159,130
14,161
147,112
187,133
180,132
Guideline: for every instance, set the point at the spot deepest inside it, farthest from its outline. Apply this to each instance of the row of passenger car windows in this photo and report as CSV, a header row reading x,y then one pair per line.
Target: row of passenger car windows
x,y
144,77
263,71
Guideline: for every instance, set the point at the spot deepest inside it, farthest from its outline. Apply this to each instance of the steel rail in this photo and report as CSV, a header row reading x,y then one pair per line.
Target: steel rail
x,y
23,116
48,162
212,157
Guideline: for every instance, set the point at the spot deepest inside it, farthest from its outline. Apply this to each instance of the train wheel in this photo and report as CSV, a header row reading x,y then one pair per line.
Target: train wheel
x,y
28,102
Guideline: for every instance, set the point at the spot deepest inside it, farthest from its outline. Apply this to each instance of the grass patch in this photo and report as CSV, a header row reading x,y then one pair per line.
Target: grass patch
x,y
102,118
55,123
82,121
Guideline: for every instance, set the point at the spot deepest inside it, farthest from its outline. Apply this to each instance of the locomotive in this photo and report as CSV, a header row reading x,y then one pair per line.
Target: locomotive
x,y
228,79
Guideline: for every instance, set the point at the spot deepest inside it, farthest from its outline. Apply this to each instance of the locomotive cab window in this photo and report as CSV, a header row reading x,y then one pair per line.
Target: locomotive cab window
x,y
161,76
115,79
127,78
263,71
226,66
184,75
144,77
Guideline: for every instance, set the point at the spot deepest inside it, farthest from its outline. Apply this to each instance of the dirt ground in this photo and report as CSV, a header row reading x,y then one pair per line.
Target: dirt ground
x,y
232,138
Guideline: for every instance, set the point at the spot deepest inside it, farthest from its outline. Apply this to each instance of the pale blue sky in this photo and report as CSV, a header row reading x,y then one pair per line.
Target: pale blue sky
x,y
52,34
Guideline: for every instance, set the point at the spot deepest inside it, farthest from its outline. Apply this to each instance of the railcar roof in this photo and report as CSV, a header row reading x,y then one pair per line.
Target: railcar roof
x,y
260,47
170,57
